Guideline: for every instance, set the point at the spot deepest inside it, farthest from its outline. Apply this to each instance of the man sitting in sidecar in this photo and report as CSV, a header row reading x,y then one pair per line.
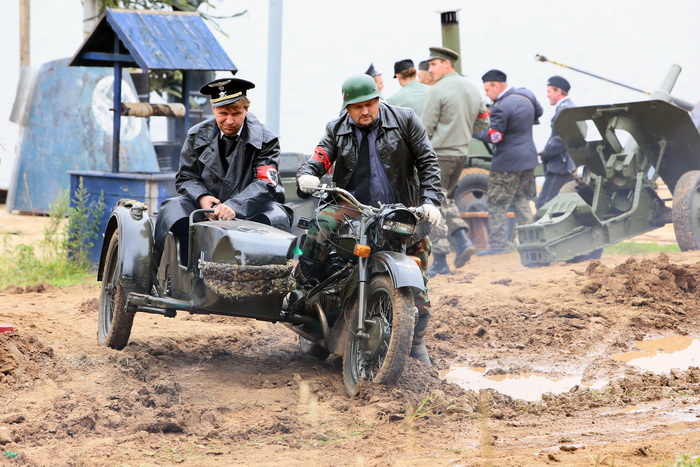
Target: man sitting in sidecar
x,y
228,163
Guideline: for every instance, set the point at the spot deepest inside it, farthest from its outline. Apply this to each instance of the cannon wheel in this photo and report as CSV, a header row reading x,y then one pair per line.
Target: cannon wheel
x,y
389,318
686,211
114,321
471,190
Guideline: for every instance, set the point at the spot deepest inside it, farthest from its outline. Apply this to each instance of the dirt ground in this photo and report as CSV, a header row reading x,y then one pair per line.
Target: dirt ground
x,y
207,390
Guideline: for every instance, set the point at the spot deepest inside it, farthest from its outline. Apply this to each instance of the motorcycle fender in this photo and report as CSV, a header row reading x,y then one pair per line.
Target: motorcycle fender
x,y
404,272
135,247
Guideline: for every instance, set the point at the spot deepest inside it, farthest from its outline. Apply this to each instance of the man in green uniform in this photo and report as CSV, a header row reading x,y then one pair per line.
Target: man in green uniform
x,y
453,111
412,93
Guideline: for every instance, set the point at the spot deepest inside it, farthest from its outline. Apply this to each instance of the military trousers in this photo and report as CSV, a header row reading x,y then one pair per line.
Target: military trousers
x,y
321,238
509,190
552,184
450,171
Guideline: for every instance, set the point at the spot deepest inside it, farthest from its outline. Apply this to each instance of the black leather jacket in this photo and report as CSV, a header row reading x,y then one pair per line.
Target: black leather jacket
x,y
402,145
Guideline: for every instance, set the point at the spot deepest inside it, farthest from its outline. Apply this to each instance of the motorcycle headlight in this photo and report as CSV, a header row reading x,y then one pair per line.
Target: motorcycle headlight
x,y
398,224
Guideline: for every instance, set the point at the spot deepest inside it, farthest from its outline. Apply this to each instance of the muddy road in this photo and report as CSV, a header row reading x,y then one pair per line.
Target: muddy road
x,y
208,390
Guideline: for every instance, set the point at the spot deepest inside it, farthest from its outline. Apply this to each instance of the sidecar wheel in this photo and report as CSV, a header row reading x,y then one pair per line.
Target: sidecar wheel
x,y
389,319
313,349
114,321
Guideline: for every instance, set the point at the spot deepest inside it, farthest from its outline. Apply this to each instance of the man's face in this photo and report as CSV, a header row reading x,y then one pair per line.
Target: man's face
x,y
554,95
425,78
230,119
380,82
364,113
493,89
439,68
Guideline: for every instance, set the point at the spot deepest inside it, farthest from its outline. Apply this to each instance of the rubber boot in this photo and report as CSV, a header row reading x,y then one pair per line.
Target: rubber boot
x,y
439,266
419,351
464,248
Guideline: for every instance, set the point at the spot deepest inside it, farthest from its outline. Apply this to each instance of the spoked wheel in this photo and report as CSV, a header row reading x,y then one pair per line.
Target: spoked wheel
x,y
114,321
313,349
389,322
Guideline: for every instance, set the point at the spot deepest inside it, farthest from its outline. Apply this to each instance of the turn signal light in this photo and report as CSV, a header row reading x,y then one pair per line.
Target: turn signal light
x,y
362,250
417,260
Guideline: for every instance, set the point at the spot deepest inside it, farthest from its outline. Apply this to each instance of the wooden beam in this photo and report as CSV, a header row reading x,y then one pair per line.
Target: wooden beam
x,y
24,31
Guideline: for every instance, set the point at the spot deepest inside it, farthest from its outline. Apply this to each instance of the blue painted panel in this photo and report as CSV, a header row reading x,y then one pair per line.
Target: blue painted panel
x,y
69,127
151,189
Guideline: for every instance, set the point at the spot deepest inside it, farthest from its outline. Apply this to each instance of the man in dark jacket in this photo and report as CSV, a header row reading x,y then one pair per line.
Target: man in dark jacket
x,y
228,163
558,164
512,175
381,154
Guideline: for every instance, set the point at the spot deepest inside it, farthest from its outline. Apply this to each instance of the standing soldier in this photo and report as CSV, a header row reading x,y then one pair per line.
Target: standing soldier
x,y
512,173
453,111
557,162
412,93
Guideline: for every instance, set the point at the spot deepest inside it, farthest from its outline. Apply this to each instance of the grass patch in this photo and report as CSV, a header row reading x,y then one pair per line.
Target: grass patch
x,y
61,256
638,248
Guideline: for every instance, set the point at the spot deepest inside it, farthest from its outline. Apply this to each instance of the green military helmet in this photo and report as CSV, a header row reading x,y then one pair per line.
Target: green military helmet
x,y
359,88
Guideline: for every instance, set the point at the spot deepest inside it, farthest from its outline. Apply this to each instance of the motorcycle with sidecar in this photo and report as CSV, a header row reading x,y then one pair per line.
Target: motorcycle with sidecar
x,y
363,310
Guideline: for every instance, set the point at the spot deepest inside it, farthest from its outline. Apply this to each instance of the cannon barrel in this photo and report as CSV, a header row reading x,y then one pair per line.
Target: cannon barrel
x,y
685,105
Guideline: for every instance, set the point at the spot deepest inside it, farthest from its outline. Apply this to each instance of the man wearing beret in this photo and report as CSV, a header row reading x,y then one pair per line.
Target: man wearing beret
x,y
228,163
381,154
512,175
412,93
558,164
453,111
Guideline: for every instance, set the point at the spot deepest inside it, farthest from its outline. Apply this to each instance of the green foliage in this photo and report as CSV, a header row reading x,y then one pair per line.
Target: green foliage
x,y
638,248
61,256
685,460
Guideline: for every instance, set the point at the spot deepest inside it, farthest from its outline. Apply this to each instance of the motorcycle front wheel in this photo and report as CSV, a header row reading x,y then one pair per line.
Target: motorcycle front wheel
x,y
389,322
114,321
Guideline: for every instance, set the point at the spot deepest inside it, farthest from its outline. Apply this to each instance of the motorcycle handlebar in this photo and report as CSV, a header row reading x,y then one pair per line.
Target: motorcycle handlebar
x,y
418,211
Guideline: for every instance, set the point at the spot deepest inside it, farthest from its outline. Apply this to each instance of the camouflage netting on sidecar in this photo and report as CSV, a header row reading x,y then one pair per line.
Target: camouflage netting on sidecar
x,y
240,282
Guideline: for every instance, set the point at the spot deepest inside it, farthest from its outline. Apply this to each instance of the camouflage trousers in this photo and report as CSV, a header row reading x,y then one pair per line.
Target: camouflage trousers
x,y
450,171
319,241
509,190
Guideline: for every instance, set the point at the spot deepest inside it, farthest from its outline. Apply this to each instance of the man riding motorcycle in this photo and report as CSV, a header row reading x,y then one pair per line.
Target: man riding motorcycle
x,y
381,154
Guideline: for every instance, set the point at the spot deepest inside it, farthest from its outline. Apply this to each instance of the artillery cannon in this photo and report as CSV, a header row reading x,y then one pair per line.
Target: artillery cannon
x,y
662,141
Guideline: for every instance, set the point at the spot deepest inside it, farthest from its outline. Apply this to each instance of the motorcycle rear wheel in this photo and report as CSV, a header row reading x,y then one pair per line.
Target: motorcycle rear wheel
x,y
389,320
114,321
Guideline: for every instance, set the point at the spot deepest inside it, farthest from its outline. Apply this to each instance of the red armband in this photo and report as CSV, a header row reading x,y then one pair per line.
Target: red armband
x,y
484,115
495,135
268,173
321,156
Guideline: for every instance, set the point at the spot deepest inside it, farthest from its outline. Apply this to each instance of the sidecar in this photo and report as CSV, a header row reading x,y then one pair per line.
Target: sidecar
x,y
235,268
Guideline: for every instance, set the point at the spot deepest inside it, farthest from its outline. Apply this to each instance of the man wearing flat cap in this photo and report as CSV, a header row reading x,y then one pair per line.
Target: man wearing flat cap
x,y
228,163
412,93
453,111
558,164
512,173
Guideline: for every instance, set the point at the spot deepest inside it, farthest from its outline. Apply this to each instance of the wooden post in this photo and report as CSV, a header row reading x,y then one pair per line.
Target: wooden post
x,y
24,33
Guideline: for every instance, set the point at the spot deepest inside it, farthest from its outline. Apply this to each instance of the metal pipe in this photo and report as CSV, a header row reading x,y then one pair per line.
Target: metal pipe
x,y
324,323
274,65
685,105
116,123
450,35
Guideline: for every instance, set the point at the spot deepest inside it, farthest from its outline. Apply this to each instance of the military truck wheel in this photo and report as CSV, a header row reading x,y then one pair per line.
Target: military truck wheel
x,y
471,190
686,211
114,321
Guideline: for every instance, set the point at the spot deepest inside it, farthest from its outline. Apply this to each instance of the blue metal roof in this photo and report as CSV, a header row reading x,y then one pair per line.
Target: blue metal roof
x,y
155,40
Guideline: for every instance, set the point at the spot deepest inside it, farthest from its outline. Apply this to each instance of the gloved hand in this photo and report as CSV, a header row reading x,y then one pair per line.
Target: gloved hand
x,y
308,181
432,214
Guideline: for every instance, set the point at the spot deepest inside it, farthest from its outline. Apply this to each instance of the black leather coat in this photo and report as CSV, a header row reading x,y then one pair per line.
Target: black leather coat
x,y
249,187
402,145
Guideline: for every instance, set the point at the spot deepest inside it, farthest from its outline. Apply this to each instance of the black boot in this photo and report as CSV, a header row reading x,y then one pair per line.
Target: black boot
x,y
419,351
439,266
464,248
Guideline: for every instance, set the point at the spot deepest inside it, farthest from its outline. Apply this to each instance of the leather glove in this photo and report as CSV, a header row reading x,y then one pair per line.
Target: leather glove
x,y
308,181
432,214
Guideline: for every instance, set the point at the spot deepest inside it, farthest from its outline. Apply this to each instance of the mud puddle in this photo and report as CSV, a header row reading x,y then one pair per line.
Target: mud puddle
x,y
664,354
